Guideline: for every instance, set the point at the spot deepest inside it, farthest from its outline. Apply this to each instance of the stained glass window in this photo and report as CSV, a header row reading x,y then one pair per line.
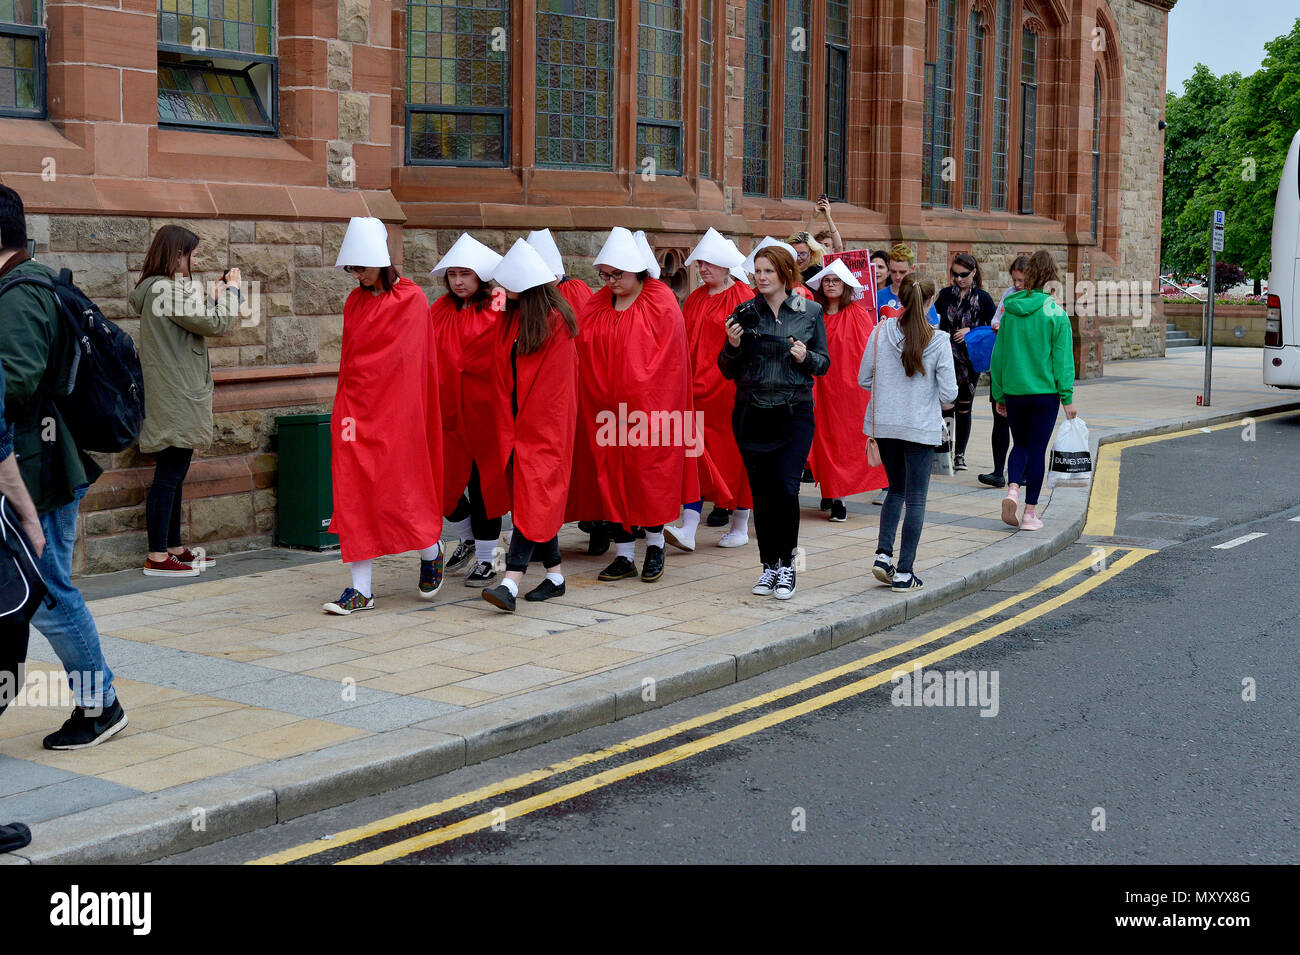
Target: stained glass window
x,y
937,167
1096,151
217,63
575,83
457,82
706,88
794,183
974,110
1028,119
659,87
837,95
758,56
22,59
1001,104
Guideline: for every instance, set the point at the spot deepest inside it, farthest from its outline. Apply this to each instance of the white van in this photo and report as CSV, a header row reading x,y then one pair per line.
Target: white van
x,y
1282,330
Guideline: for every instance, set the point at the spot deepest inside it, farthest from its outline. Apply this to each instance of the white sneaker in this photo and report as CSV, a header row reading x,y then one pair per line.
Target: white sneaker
x,y
734,539
678,537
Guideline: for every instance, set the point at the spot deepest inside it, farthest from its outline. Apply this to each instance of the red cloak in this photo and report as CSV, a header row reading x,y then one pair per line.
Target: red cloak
x,y
635,419
839,448
386,428
723,479
575,292
541,435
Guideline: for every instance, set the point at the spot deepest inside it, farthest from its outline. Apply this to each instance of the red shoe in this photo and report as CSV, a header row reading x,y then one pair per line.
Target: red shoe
x,y
171,567
191,559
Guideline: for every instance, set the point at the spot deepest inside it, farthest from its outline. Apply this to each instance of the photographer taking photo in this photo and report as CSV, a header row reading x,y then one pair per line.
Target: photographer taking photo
x,y
776,344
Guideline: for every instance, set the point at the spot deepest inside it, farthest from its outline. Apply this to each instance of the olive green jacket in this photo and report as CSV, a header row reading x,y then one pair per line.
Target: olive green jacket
x,y
174,320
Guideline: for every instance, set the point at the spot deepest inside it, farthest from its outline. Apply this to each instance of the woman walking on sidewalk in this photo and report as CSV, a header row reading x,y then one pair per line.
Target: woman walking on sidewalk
x,y
175,320
963,305
1001,431
908,368
1033,375
776,344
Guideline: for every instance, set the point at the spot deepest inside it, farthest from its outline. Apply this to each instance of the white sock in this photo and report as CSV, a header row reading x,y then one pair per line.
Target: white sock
x,y
740,520
690,521
484,551
511,586
881,555
361,576
654,540
462,529
555,577
431,553
901,578
625,549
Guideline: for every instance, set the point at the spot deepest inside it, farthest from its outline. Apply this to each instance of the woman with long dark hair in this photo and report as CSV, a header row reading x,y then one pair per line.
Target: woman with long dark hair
x,y
963,305
776,345
1033,375
465,323
536,364
907,366
175,319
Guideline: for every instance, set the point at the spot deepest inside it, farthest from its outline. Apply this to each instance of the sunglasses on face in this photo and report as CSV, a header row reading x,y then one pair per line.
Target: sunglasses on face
x,y
959,275
354,269
608,276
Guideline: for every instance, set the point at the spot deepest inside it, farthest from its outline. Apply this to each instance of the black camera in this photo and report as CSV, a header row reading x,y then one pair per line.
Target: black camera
x,y
747,316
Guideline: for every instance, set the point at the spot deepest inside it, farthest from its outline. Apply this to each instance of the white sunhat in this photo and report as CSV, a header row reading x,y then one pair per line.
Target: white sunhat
x,y
768,242
740,275
468,253
365,244
841,272
717,250
544,244
522,268
620,251
647,253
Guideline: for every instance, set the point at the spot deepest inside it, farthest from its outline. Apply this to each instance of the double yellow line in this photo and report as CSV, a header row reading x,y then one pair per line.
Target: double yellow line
x,y
677,753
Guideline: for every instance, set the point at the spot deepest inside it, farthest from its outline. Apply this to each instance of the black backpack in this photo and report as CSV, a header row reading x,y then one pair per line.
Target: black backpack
x,y
101,393
22,588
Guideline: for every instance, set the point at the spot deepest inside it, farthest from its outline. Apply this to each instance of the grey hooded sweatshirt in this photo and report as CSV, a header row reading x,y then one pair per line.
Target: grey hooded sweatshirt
x,y
904,408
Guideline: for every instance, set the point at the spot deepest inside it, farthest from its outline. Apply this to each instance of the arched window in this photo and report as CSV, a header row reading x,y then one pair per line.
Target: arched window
x,y
1096,155
1028,117
974,109
837,95
758,55
1001,104
937,160
659,88
22,59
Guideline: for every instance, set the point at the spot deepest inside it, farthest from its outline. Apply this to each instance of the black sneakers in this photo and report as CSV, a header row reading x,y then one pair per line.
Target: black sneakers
x,y
500,597
912,582
992,479
959,462
825,504
482,574
718,517
883,570
82,731
619,569
839,511
460,556
546,590
784,582
766,582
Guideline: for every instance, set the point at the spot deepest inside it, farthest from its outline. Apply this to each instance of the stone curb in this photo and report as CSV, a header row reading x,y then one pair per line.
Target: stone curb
x,y
154,825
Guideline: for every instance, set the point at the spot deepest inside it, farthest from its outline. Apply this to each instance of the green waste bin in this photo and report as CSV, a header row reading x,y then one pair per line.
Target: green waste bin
x,y
306,487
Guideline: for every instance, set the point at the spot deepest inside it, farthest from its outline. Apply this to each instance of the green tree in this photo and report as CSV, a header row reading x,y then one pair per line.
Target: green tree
x,y
1195,121
1240,167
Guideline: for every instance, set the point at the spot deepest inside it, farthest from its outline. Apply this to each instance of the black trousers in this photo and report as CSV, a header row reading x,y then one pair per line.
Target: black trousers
x,y
162,506
774,444
471,505
13,653
522,551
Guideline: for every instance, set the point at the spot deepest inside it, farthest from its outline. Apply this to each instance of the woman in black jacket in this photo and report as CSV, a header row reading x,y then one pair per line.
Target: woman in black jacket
x,y
964,305
776,343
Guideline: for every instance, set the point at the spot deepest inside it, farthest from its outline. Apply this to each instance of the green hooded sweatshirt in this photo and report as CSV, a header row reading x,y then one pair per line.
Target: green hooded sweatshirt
x,y
1034,352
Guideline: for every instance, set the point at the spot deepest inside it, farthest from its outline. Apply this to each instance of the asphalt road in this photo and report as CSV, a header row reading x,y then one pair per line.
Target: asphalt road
x,y
1125,731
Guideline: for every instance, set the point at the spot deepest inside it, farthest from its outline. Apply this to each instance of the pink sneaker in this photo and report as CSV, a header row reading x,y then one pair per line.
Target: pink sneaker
x,y
1030,521
1010,504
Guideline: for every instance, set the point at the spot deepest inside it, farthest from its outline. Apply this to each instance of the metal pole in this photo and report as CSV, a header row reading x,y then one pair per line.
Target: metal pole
x,y
1209,334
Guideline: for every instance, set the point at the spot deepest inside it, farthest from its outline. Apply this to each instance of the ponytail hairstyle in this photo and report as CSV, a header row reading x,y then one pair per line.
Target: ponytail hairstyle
x,y
532,310
915,291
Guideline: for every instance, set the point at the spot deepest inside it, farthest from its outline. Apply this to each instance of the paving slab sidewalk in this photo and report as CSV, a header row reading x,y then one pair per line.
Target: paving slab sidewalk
x,y
248,705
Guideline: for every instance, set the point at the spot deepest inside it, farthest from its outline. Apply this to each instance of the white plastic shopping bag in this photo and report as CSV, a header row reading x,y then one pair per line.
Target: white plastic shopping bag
x,y
1071,461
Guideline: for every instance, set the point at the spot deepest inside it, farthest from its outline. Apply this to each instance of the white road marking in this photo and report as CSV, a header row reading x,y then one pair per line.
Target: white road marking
x,y
1238,541
1293,518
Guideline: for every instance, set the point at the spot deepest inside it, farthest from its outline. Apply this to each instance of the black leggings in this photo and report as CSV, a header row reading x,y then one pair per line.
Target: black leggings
x,y
774,444
522,551
162,507
961,412
1001,438
483,528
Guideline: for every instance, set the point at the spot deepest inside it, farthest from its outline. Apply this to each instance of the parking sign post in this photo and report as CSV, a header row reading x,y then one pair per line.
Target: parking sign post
x,y
1216,245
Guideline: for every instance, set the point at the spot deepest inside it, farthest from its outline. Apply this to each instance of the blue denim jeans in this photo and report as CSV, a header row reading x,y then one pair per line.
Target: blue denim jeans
x,y
908,466
68,626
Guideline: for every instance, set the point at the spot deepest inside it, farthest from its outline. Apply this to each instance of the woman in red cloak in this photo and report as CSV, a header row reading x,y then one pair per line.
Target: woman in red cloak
x,y
839,450
634,409
722,471
465,322
386,428
536,363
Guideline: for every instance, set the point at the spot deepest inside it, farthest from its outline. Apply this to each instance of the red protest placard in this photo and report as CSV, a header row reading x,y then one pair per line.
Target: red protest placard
x,y
858,261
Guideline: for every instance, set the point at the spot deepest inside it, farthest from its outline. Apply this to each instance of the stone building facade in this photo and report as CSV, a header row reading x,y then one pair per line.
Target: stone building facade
x,y
501,116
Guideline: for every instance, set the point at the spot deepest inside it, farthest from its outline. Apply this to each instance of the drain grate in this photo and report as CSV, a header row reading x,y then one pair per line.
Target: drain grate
x,y
1148,543
1186,520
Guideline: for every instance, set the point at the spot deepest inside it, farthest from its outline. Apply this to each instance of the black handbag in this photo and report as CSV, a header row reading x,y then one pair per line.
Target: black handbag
x,y
22,588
